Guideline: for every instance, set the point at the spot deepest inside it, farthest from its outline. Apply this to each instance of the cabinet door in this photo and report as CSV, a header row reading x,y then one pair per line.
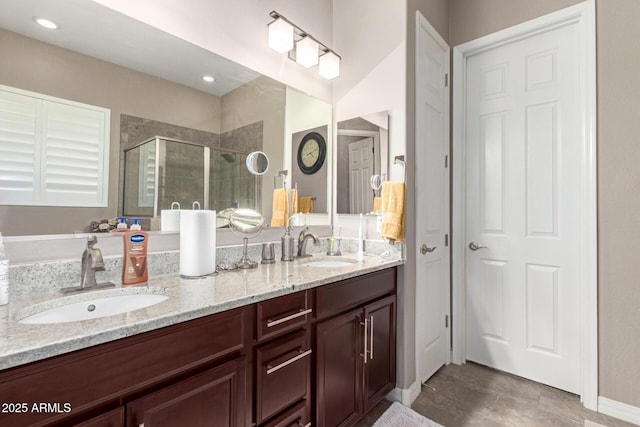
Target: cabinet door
x,y
212,398
339,370
380,368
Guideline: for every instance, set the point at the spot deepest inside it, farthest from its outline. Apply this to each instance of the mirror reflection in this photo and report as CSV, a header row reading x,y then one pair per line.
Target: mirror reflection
x,y
362,153
168,128
257,163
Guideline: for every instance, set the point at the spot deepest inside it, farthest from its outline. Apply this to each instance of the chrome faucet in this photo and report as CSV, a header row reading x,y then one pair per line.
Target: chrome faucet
x,y
302,242
92,261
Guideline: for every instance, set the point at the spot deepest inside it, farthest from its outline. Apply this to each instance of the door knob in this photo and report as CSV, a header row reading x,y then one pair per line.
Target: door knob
x,y
474,246
425,249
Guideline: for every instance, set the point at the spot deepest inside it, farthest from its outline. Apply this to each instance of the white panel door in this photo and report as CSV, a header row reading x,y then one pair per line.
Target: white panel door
x,y
432,201
361,161
523,192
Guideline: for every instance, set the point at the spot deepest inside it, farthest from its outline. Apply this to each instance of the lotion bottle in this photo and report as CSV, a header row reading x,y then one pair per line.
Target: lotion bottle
x,y
134,264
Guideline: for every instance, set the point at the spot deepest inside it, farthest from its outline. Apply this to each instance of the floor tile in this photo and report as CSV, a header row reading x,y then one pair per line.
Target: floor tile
x,y
472,395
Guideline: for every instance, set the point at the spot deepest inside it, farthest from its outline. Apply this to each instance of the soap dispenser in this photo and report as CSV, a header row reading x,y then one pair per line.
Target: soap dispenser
x,y
287,242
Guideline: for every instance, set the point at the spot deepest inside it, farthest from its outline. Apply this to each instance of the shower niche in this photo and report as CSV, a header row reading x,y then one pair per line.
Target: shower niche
x,y
161,172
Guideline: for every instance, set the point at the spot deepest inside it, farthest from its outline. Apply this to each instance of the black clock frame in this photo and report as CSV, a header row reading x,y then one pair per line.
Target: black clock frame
x,y
322,147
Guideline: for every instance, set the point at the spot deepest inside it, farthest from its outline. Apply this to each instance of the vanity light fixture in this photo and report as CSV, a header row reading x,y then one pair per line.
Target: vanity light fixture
x,y
302,47
46,23
208,79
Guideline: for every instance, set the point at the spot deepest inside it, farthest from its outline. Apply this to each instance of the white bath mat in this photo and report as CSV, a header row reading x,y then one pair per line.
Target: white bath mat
x,y
399,415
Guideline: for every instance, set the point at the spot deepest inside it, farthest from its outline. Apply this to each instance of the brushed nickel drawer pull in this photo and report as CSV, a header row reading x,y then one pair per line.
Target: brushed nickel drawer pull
x,y
271,370
366,350
371,338
302,312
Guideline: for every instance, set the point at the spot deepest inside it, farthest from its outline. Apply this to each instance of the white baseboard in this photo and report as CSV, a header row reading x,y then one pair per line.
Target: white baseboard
x,y
406,396
619,410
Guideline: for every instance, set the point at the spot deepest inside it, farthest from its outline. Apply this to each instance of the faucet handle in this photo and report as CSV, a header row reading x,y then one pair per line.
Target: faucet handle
x,y
91,241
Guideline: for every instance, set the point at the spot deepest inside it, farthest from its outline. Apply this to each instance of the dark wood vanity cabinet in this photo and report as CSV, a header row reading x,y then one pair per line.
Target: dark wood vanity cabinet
x,y
356,348
98,380
281,362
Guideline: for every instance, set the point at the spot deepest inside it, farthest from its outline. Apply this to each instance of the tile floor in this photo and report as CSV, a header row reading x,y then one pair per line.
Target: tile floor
x,y
474,395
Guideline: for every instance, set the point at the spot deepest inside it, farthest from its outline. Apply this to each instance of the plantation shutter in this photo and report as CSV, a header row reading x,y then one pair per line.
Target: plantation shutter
x,y
53,152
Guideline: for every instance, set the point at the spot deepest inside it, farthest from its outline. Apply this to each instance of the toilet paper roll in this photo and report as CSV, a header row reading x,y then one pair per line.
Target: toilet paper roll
x,y
197,243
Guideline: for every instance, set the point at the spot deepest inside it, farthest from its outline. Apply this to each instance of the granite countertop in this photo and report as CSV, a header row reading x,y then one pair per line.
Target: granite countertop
x,y
188,299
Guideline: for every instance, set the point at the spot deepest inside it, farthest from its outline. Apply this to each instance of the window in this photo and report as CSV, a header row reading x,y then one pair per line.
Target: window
x,y
53,152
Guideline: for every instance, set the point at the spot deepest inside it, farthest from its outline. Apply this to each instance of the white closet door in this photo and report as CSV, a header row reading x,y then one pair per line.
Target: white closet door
x,y
523,195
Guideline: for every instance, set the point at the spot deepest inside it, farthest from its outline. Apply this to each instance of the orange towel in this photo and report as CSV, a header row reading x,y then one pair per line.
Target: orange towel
x,y
305,205
377,204
280,206
392,227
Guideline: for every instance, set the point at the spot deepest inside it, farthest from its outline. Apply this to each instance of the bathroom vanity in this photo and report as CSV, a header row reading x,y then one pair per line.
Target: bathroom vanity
x,y
296,345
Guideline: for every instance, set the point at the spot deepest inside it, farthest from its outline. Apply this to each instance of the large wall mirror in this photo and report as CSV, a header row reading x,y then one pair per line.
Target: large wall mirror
x,y
362,152
169,129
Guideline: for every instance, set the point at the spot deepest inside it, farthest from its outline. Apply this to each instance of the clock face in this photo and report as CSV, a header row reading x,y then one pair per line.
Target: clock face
x,y
311,153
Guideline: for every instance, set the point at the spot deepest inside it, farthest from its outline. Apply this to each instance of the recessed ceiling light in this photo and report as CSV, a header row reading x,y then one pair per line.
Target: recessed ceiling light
x,y
46,23
208,79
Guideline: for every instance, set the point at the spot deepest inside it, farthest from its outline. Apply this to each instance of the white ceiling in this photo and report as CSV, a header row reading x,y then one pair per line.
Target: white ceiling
x,y
100,32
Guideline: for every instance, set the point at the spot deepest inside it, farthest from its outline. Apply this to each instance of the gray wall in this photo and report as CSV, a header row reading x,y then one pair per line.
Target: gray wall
x,y
618,88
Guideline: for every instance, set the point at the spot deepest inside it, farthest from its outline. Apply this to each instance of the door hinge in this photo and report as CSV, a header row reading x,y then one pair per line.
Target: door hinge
x,y
446,240
446,321
446,80
446,161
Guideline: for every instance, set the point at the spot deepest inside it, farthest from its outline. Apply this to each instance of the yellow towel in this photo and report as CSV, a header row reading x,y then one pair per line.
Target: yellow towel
x,y
305,205
377,204
280,207
392,227
294,203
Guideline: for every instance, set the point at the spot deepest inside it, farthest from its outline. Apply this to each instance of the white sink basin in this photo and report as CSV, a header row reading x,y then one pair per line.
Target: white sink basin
x,y
94,308
329,263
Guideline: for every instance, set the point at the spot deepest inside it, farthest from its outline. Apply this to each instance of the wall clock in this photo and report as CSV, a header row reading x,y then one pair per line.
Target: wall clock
x,y
311,153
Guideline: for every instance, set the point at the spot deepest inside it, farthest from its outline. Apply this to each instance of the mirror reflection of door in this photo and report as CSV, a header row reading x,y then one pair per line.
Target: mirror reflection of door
x,y
361,167
362,151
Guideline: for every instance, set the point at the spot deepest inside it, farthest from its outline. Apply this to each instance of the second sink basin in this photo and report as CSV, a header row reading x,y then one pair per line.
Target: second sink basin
x,y
93,308
329,263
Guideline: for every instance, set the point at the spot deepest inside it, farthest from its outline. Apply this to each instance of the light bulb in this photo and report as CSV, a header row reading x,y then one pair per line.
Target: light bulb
x,y
329,67
281,35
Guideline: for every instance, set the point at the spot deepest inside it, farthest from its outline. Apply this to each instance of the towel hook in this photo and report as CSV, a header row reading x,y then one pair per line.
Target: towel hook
x,y
399,160
281,174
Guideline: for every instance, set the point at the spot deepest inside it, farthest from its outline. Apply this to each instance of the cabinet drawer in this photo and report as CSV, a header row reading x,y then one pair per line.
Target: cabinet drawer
x,y
339,297
283,370
296,416
282,314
